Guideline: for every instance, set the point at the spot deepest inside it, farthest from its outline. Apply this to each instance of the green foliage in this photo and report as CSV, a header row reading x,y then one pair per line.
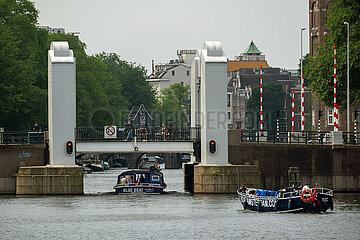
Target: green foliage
x,y
273,100
106,86
172,105
133,79
23,81
320,68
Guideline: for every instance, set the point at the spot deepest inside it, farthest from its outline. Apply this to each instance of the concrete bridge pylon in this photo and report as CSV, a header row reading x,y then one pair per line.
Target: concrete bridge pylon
x,y
61,103
208,102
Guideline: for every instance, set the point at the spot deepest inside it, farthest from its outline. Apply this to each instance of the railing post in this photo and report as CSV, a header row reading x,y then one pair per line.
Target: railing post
x,y
290,137
275,136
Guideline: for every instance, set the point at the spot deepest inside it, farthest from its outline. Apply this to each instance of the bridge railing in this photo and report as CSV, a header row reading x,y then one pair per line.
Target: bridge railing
x,y
351,138
22,137
151,134
295,137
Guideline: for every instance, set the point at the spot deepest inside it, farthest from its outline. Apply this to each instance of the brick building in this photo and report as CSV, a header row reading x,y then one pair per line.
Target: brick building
x,y
318,10
244,75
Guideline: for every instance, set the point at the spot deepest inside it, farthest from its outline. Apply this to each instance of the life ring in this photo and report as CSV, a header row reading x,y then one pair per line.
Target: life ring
x,y
306,197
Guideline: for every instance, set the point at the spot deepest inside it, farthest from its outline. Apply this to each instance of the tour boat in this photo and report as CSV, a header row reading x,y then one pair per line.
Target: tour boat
x,y
287,200
140,181
151,162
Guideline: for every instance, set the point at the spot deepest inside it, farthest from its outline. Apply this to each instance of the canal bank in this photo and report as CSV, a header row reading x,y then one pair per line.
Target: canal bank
x,y
331,166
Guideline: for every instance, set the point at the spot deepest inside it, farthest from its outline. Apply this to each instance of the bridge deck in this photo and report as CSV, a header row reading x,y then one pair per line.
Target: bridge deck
x,y
128,147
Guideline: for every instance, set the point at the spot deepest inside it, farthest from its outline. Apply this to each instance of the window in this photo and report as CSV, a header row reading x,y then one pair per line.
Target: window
x,y
229,115
173,72
228,100
313,117
155,178
330,116
188,73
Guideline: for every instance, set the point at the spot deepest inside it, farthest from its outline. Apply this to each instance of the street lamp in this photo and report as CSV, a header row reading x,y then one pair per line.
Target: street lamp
x,y
302,85
348,83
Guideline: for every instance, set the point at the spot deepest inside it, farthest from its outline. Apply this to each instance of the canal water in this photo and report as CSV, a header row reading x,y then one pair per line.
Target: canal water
x,y
100,214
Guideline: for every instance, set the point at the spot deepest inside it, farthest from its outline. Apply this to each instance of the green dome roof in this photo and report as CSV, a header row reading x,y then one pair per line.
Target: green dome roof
x,y
252,49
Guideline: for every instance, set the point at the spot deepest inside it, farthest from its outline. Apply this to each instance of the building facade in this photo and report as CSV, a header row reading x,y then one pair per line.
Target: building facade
x,y
175,71
244,76
322,115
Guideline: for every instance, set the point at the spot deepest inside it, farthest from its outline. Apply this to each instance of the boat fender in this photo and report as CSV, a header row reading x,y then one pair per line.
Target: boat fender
x,y
305,197
276,206
289,204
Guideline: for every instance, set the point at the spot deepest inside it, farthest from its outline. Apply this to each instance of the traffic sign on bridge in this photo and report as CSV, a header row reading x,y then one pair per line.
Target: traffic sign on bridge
x,y
109,131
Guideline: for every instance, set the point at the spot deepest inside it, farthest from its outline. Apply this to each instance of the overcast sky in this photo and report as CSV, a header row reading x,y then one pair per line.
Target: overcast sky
x,y
144,30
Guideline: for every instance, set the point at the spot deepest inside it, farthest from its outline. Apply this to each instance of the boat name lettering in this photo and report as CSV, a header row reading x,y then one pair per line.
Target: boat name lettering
x,y
133,190
265,202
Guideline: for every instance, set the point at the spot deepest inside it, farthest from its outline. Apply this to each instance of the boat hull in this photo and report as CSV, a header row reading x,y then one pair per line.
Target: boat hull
x,y
271,204
138,189
293,203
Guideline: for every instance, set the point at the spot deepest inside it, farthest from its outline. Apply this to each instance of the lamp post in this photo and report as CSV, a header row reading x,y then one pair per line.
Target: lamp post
x,y
348,83
302,85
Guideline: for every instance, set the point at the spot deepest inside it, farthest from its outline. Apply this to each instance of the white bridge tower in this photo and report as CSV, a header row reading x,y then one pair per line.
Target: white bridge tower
x,y
61,104
208,102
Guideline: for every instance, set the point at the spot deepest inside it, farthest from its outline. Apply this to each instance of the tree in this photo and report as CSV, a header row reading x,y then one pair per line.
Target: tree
x,y
106,86
23,81
172,105
320,67
133,79
273,101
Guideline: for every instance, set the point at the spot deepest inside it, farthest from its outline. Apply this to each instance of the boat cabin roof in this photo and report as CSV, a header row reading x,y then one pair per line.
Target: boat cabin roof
x,y
148,176
141,171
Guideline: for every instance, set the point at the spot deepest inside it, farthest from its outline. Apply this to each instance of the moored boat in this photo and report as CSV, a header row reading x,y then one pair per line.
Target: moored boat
x,y
287,200
151,162
140,181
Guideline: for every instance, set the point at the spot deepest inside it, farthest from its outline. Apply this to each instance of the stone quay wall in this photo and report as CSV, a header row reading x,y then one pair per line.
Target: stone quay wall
x,y
14,156
335,167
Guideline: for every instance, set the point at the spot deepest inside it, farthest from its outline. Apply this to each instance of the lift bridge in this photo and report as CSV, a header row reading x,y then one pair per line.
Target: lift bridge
x,y
149,140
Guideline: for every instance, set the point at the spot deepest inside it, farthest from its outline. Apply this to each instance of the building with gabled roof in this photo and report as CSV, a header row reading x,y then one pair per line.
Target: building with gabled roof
x,y
138,114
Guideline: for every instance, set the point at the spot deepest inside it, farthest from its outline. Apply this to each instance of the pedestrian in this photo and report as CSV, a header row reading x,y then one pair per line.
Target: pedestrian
x,y
144,130
130,128
36,127
163,131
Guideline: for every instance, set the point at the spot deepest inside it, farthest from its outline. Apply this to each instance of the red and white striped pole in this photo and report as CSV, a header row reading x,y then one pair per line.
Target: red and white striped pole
x,y
261,101
302,104
292,111
335,104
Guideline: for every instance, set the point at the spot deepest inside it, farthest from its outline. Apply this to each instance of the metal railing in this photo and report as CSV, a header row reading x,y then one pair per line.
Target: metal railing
x,y
150,134
22,137
295,137
351,138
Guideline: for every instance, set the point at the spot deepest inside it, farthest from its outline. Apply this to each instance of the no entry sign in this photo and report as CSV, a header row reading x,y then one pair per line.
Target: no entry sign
x,y
109,131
